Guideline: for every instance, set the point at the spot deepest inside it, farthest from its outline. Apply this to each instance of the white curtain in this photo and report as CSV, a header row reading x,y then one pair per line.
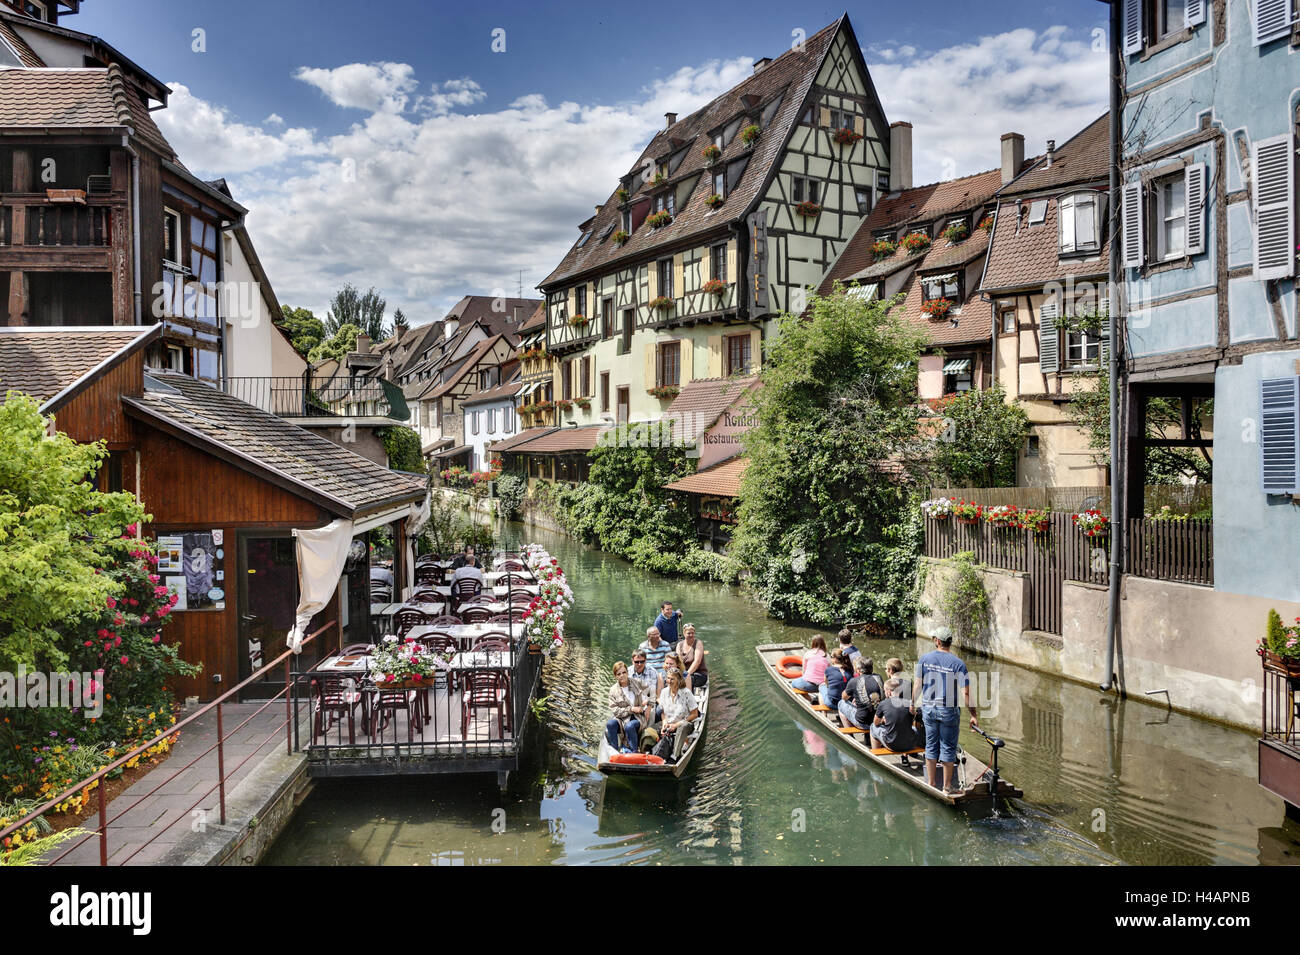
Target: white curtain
x,y
321,553
414,525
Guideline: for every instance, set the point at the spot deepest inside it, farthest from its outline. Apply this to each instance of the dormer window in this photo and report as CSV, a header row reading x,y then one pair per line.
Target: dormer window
x,y
583,241
1079,218
882,182
719,183
36,9
666,202
947,285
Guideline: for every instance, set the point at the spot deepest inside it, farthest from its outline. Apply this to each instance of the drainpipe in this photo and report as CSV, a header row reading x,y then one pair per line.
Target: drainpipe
x,y
1114,277
135,226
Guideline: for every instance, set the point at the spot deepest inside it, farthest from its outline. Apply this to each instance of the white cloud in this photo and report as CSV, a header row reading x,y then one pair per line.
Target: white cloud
x,y
961,99
373,87
275,119
208,137
453,93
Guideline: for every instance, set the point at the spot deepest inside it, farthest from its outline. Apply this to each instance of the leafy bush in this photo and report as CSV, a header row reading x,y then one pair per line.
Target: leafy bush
x,y
512,491
981,439
964,601
402,445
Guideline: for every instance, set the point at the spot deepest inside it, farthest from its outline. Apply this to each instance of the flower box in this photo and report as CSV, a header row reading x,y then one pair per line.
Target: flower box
x,y
915,241
714,201
662,302
809,210
1093,523
846,136
1035,521
749,135
564,404
1002,515
659,179
967,512
1280,664
657,220
711,153
620,237
882,249
583,403
714,287
939,508
621,194
986,223
664,391
577,321
956,232
937,307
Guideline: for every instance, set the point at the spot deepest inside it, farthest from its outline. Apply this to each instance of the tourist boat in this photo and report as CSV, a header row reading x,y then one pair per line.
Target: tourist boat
x,y
606,759
972,775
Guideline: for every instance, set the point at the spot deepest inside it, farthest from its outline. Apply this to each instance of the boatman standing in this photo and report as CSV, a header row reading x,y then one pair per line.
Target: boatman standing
x,y
666,622
939,674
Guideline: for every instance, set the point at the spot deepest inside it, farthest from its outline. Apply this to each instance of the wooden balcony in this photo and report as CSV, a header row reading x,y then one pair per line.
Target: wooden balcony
x,y
39,233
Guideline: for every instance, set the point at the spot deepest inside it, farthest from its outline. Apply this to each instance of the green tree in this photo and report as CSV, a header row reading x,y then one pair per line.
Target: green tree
x,y
979,439
304,329
402,445
365,311
400,324
826,520
59,536
338,345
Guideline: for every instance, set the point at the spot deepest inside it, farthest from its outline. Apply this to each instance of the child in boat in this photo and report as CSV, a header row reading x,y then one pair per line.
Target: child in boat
x,y
894,725
836,677
814,667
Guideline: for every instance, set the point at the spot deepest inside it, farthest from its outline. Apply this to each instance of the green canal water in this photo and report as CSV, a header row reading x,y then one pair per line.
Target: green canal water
x,y
1105,781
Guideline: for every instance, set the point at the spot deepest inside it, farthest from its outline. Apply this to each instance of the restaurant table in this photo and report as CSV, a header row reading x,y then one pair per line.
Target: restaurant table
x,y
466,633
483,660
501,591
351,665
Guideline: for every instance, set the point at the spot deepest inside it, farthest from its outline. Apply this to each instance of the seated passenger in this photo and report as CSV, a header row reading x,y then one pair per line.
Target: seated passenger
x,y
628,706
652,682
861,694
814,666
895,725
654,649
680,711
691,654
836,677
894,668
846,644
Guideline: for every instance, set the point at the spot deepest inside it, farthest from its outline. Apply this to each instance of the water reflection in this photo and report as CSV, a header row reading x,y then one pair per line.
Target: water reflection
x,y
1107,782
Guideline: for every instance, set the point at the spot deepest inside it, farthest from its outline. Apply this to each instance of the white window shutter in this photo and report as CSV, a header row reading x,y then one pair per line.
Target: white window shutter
x,y
1049,338
1134,247
1133,26
1279,435
1273,182
1194,181
1270,20
1194,13
1065,219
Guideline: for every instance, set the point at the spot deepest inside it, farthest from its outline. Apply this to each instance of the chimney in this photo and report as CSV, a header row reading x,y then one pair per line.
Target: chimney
x,y
1013,156
900,156
760,64
363,344
1051,151
449,326
669,120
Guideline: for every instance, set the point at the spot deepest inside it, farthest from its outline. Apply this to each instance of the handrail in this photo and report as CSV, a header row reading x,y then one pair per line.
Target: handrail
x,y
138,750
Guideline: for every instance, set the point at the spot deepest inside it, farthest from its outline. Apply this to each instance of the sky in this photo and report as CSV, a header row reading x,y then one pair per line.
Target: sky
x,y
434,150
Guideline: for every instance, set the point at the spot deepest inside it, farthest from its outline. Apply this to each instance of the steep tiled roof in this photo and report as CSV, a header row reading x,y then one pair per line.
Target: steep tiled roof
x,y
499,393
789,76
1027,256
701,403
1084,157
973,325
43,362
62,99
536,321
721,479
26,55
553,440
317,468
463,368
507,320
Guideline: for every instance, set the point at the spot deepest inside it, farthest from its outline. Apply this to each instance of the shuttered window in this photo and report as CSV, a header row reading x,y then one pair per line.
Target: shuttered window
x,y
1279,435
1049,338
738,354
669,371
1194,190
1133,26
1270,20
1273,181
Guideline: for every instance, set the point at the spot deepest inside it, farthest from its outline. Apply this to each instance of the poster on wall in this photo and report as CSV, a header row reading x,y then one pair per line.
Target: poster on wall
x,y
175,585
169,554
190,564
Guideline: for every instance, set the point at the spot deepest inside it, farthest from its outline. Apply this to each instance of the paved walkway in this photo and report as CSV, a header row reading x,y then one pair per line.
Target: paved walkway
x,y
144,833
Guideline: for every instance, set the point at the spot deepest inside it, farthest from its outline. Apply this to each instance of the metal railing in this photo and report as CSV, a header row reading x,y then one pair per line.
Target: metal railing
x,y
295,397
1281,703
285,728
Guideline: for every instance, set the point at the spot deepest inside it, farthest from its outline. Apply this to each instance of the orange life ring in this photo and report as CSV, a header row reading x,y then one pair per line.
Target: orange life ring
x,y
637,759
790,667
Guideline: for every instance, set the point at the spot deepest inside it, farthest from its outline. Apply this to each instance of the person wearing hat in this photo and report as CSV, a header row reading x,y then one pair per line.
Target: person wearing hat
x,y
939,674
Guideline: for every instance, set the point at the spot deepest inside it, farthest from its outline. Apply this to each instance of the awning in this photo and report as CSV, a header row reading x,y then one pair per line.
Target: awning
x,y
528,389
864,292
454,452
946,277
958,366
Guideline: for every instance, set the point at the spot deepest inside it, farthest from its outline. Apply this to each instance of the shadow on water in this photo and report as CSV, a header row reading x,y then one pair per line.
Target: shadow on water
x,y
1106,781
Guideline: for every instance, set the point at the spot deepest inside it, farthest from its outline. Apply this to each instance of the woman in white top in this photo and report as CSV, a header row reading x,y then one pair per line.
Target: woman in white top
x,y
628,707
680,710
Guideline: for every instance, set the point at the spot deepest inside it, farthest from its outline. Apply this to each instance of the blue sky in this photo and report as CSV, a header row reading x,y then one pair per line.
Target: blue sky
x,y
471,165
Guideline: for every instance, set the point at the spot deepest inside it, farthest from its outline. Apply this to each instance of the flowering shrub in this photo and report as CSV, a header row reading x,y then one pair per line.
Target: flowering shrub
x,y
967,511
940,508
1093,523
711,153
454,476
808,209
915,241
661,302
657,220
749,135
846,136
714,287
1280,639
937,307
956,232
882,249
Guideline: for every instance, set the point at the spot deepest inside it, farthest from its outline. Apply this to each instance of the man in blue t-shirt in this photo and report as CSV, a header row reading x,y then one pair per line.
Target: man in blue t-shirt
x,y
939,675
666,622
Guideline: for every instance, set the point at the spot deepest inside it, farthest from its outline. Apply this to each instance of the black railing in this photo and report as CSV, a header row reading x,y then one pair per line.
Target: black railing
x,y
294,397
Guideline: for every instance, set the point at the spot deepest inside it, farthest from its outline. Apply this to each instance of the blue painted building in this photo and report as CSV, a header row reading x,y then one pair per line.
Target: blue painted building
x,y
1208,180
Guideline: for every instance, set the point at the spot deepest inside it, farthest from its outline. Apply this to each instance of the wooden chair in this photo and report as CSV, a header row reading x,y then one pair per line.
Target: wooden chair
x,y
485,690
465,590
476,613
408,617
334,700
446,620
430,574
491,641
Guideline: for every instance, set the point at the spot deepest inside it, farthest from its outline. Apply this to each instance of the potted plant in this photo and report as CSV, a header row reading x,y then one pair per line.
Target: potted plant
x,y
1280,647
711,153
986,223
621,194
808,210
937,307
664,391
657,220
846,136
956,232
1002,515
661,302
659,179
915,241
939,508
576,321
714,287
1093,523
1035,521
620,237
583,403
714,201
749,135
404,664
967,512
564,404
882,249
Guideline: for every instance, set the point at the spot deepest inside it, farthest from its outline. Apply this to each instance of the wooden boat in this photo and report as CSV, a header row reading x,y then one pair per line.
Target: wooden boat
x,y
971,774
605,759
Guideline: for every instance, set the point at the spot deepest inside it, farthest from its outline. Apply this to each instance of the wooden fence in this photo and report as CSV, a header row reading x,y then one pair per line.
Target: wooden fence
x,y
1183,499
1172,550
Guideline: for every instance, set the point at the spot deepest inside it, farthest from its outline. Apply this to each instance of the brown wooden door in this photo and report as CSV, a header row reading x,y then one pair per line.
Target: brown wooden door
x,y
624,404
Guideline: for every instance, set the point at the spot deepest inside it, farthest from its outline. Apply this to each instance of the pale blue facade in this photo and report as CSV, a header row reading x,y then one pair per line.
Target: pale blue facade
x,y
1203,93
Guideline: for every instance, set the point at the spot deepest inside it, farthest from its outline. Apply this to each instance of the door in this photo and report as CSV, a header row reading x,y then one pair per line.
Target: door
x,y
268,600
624,404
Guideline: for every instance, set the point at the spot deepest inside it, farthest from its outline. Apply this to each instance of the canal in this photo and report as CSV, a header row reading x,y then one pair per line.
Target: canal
x,y
1105,781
